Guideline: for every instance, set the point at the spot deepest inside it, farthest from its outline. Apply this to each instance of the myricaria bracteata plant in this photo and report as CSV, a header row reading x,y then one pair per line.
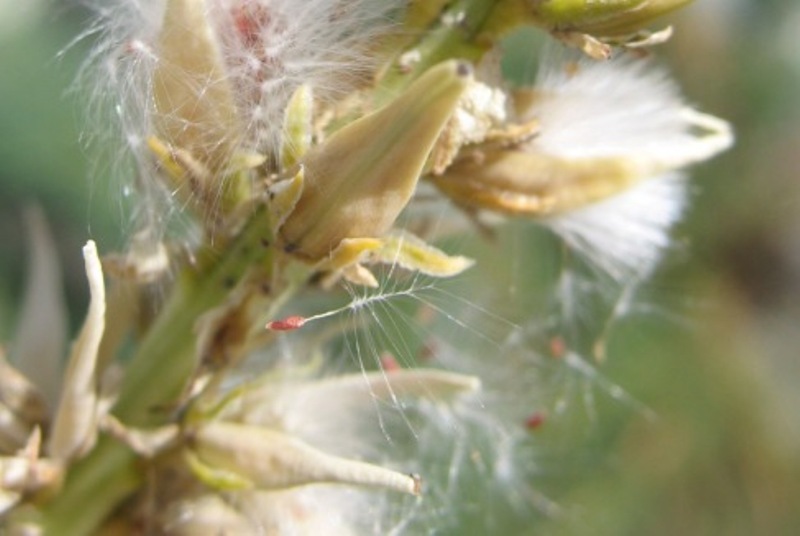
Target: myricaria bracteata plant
x,y
300,141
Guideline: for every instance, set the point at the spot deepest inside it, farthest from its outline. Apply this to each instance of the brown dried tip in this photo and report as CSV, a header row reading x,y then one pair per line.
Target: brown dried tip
x,y
289,323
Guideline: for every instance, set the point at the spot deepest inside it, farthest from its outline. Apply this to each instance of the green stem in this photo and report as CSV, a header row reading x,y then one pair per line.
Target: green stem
x,y
447,41
164,361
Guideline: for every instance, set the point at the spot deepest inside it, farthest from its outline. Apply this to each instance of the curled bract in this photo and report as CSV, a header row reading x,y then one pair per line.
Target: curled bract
x,y
74,430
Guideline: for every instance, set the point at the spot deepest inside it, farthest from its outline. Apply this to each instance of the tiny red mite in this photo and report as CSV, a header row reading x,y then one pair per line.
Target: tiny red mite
x,y
287,324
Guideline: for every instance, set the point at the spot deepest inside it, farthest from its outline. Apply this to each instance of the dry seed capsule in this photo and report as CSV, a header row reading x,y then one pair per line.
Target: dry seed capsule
x,y
524,183
232,455
357,182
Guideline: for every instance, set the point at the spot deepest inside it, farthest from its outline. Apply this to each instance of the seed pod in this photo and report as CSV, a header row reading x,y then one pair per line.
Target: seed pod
x,y
231,455
606,18
357,182
533,184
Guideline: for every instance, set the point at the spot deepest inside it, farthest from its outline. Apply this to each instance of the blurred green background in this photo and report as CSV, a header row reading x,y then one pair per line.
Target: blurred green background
x,y
724,455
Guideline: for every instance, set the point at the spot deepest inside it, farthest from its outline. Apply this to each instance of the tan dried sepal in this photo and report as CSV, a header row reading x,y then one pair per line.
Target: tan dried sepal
x,y
412,253
345,262
28,476
145,261
590,45
480,112
357,274
601,48
22,407
643,39
74,429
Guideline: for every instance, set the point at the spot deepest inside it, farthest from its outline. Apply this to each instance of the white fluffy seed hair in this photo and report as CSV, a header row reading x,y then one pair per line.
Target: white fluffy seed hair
x,y
623,108
273,46
269,48
625,236
115,80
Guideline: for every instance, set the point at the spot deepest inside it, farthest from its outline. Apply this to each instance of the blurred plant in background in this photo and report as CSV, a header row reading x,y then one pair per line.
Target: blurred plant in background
x,y
267,151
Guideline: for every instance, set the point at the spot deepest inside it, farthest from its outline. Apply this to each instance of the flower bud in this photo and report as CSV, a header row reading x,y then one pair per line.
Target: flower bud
x,y
357,182
297,126
193,97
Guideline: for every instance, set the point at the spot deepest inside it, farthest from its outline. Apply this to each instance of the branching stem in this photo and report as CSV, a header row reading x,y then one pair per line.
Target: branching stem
x,y
154,378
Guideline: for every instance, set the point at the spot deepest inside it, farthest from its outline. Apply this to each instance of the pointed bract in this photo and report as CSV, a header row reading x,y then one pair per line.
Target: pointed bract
x,y
359,180
75,425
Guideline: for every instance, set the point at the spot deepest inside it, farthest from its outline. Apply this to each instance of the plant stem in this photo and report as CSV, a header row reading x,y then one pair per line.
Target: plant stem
x,y
452,40
163,363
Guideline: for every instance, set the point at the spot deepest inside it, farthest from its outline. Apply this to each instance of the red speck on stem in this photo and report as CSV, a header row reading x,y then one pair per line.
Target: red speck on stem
x,y
287,324
535,421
